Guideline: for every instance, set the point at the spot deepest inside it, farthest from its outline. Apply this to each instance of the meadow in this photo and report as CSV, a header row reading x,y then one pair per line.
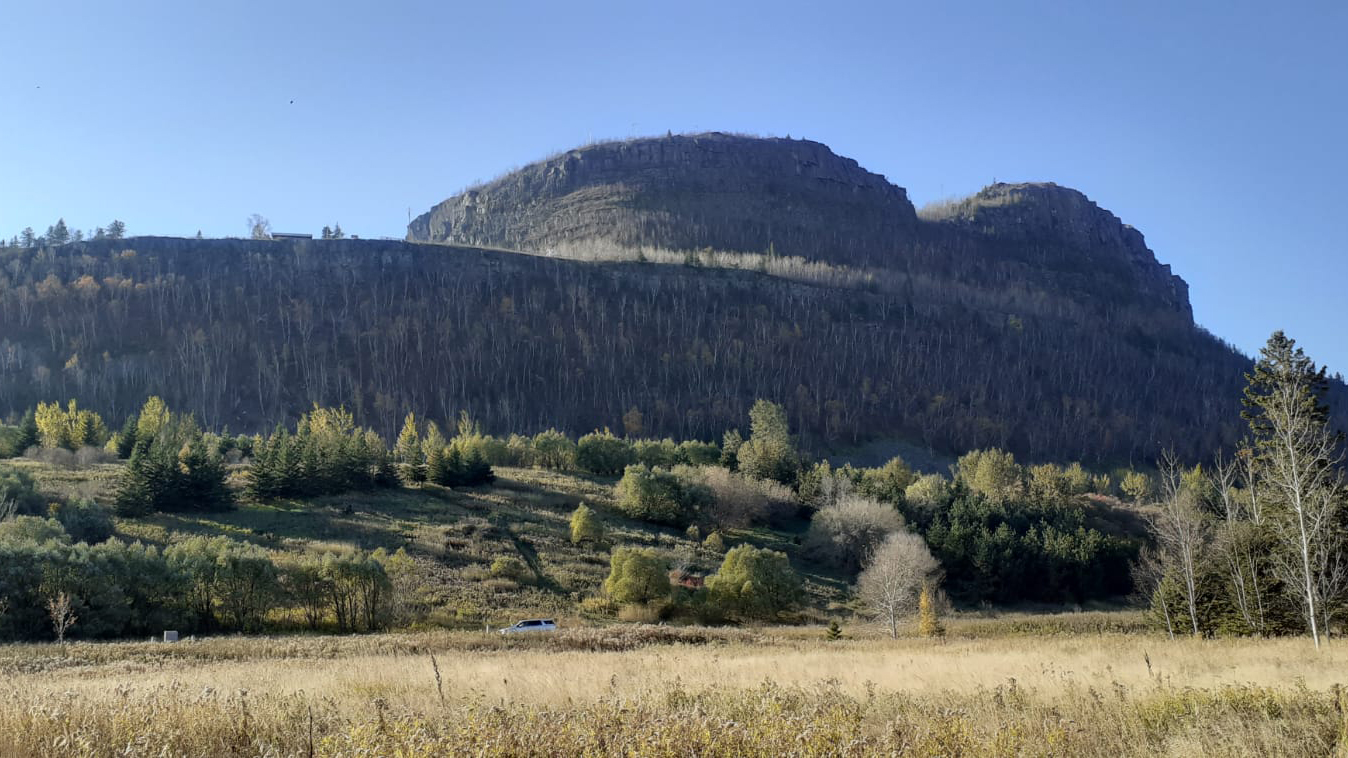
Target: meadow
x,y
1009,685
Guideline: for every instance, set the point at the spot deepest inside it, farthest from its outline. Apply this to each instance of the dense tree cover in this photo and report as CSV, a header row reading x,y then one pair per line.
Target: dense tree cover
x,y
1010,551
172,468
71,427
326,455
195,585
243,333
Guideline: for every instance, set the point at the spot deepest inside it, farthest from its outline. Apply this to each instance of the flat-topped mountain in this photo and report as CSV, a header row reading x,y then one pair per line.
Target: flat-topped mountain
x,y
720,191
797,198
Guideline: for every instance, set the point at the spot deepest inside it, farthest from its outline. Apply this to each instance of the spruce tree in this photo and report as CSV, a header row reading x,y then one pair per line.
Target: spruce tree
x,y
126,440
28,434
477,470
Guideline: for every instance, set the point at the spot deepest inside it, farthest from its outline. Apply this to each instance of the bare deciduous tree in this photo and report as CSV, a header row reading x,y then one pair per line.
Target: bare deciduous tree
x,y
61,610
896,571
1300,462
1181,532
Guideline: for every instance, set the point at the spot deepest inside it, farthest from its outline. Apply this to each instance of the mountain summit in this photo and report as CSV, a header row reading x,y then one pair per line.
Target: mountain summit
x,y
798,199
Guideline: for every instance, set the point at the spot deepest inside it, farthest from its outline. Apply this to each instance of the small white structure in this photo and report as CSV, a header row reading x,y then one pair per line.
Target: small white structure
x,y
170,636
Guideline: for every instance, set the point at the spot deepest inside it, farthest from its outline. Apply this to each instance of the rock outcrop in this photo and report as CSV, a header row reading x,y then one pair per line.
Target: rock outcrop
x,y
796,198
793,197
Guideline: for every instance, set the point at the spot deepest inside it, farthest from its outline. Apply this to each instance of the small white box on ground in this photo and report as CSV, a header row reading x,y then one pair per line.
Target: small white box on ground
x,y
170,636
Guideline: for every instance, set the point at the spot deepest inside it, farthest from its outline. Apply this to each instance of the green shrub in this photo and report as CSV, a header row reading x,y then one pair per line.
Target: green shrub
x,y
754,583
695,453
18,492
656,453
604,454
510,567
657,496
586,526
636,575
83,520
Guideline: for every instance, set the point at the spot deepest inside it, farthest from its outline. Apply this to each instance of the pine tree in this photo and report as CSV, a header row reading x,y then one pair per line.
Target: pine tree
x,y
834,631
58,234
116,230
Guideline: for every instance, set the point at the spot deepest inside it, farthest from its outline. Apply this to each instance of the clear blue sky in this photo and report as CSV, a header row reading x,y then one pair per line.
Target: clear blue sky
x,y
1218,129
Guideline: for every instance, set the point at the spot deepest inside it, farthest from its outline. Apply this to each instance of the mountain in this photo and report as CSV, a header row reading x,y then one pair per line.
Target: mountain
x,y
683,277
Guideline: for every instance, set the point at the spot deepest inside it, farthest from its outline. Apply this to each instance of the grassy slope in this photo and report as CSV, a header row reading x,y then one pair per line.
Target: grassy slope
x,y
454,535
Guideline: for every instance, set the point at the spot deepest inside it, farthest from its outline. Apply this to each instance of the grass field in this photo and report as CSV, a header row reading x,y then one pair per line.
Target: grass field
x,y
989,689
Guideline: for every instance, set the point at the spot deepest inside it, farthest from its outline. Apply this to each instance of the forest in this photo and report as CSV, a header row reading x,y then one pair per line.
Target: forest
x,y
241,333
1253,544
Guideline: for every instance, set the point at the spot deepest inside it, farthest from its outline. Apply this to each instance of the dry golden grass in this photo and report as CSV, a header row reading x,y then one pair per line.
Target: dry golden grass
x,y
607,692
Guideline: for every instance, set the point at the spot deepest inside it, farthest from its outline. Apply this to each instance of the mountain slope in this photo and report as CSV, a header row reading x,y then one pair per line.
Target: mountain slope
x,y
244,333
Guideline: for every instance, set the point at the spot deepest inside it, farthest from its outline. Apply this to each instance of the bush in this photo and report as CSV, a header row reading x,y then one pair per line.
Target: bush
x,y
552,449
637,575
737,501
657,496
84,520
889,483
32,530
604,454
656,453
714,542
18,493
510,567
754,583
842,534
769,453
927,494
695,453
586,526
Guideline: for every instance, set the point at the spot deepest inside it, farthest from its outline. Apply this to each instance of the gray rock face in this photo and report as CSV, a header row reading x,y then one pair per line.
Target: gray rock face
x,y
798,198
1060,228
684,192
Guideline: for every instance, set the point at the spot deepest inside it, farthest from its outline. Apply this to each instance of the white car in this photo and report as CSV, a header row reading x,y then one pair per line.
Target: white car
x,y
532,625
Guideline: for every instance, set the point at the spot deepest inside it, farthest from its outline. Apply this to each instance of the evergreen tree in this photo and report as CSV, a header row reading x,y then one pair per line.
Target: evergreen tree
x,y
26,238
116,230
455,473
477,471
28,433
58,234
408,453
126,439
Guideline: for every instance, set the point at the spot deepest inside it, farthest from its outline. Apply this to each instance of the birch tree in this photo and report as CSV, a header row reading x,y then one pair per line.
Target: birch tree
x,y
1181,532
1299,465
895,573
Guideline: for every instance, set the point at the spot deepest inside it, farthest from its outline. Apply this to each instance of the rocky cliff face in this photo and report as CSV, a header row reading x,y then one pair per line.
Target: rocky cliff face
x,y
793,197
798,198
1059,228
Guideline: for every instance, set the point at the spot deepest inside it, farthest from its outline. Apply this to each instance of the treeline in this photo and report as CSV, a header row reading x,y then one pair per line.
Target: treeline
x,y
240,333
53,586
60,234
